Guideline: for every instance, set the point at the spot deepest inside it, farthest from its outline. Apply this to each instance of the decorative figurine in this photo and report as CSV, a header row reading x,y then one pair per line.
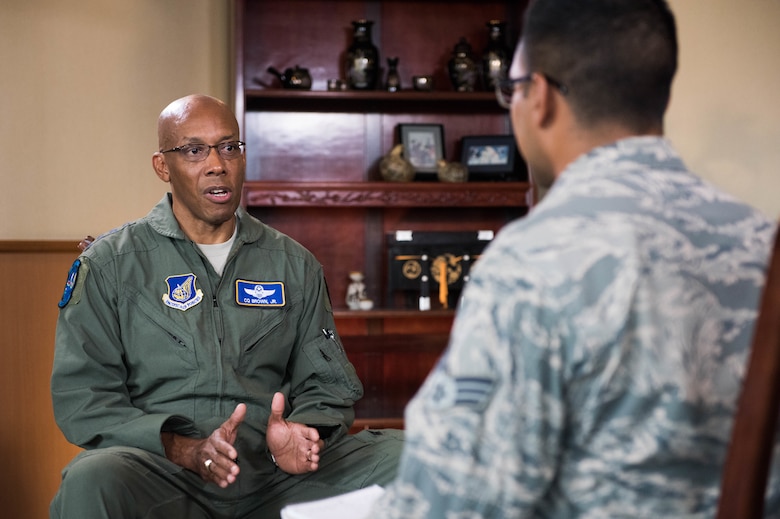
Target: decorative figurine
x,y
451,171
462,67
497,55
356,291
393,82
394,168
362,63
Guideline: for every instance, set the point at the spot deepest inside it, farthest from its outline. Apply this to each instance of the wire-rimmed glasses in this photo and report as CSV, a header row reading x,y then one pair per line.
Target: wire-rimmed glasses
x,y
198,152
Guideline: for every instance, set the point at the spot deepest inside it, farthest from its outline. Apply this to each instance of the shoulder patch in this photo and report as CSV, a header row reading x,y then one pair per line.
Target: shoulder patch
x,y
470,392
70,284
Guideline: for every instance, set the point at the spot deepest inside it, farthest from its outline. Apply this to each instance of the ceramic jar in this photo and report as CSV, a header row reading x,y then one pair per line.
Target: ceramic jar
x,y
362,59
463,68
497,55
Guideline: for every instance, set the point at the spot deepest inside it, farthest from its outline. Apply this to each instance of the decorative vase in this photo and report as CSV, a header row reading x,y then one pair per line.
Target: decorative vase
x,y
393,82
497,55
394,168
462,67
362,64
451,171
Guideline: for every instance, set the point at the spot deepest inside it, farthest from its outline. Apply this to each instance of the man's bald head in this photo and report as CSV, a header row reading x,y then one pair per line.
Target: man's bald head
x,y
180,110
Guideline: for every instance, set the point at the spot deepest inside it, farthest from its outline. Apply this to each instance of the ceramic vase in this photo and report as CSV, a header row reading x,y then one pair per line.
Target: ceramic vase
x,y
362,59
393,81
463,68
497,55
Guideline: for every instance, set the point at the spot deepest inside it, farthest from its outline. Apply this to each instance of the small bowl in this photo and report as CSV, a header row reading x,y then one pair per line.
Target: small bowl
x,y
336,85
422,83
366,304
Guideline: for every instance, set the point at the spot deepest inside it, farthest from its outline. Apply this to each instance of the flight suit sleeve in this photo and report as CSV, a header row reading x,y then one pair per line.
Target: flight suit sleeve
x,y
91,401
324,384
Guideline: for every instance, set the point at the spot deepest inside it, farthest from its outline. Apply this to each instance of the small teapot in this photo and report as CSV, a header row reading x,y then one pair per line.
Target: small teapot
x,y
296,78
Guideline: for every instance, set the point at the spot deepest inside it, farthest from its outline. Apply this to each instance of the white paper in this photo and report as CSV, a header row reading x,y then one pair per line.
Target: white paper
x,y
352,505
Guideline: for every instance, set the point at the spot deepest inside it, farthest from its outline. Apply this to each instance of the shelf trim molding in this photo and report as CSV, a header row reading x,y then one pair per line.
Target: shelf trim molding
x,y
371,101
385,194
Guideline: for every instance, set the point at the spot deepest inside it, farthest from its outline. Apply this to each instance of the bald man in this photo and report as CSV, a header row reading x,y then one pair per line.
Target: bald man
x,y
196,357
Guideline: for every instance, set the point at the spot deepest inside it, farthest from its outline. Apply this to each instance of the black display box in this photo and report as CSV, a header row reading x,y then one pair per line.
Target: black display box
x,y
431,264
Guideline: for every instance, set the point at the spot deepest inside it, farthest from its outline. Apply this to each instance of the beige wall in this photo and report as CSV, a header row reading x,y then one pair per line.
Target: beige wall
x,y
81,85
725,111
82,82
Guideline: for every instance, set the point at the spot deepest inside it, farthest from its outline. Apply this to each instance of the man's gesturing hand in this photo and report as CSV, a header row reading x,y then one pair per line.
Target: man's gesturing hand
x,y
214,458
295,447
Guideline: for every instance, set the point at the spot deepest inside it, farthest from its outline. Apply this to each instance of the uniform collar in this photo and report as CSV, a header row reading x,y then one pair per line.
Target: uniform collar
x,y
162,220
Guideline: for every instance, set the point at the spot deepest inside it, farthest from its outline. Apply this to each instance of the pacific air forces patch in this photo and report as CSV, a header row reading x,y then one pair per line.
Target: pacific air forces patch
x,y
182,293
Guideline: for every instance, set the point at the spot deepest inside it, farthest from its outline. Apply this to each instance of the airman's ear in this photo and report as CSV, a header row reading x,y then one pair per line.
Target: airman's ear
x,y
546,101
161,167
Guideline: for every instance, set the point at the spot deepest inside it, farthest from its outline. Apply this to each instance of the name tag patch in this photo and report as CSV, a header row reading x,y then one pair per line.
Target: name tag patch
x,y
260,293
182,292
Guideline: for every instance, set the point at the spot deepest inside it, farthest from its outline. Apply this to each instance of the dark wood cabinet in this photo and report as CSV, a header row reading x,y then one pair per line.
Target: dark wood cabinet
x,y
313,160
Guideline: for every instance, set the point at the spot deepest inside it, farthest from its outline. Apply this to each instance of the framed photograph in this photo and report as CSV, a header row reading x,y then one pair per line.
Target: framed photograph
x,y
492,156
423,145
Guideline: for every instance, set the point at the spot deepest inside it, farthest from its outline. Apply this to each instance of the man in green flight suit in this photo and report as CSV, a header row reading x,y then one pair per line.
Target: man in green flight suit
x,y
196,357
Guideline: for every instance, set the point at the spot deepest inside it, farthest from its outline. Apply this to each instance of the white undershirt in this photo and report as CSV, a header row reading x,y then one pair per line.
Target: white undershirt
x,y
217,253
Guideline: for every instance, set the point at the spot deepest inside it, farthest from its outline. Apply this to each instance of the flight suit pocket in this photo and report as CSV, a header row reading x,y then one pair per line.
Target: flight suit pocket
x,y
271,325
155,336
332,368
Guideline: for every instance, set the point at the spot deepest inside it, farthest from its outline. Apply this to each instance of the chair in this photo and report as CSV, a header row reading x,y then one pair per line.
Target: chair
x,y
745,474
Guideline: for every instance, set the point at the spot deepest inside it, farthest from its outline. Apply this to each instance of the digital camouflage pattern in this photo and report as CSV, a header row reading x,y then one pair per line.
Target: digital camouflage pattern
x,y
597,354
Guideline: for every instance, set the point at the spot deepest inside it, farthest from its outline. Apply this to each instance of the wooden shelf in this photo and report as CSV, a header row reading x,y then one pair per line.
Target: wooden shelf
x,y
313,163
392,313
385,194
371,101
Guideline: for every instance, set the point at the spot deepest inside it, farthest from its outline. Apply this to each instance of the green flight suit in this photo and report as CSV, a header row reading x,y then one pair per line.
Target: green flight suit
x,y
151,338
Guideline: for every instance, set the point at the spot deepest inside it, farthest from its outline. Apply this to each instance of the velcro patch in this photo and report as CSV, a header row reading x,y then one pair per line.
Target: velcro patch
x,y
70,284
182,294
472,392
260,293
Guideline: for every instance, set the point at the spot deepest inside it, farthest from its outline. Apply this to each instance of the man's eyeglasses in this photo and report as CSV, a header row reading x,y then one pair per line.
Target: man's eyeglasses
x,y
198,152
505,88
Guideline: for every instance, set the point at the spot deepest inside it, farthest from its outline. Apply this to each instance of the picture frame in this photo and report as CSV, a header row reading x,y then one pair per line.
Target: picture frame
x,y
423,146
492,157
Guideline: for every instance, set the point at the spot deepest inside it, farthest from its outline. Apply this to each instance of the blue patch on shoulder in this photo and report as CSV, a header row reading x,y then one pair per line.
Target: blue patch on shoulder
x,y
73,276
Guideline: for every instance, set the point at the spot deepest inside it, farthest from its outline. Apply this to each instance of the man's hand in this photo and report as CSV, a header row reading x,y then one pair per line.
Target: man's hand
x,y
214,458
296,447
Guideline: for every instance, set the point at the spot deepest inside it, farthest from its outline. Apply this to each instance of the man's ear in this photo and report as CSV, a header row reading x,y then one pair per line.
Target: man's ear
x,y
546,102
161,167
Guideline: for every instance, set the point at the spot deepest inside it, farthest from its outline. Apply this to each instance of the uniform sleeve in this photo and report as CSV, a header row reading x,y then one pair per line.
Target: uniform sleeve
x,y
91,402
483,435
324,384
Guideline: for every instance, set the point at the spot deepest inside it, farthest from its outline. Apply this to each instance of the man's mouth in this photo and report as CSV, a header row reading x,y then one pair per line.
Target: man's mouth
x,y
218,193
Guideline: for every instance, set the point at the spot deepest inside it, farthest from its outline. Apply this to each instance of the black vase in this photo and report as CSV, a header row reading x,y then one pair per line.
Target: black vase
x,y
497,55
393,82
362,62
463,68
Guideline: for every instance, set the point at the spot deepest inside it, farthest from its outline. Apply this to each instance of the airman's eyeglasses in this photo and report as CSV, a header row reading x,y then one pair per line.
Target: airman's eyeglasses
x,y
198,152
505,88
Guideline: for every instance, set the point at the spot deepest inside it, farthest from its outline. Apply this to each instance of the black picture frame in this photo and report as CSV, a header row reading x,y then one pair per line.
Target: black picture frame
x,y
423,146
492,157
